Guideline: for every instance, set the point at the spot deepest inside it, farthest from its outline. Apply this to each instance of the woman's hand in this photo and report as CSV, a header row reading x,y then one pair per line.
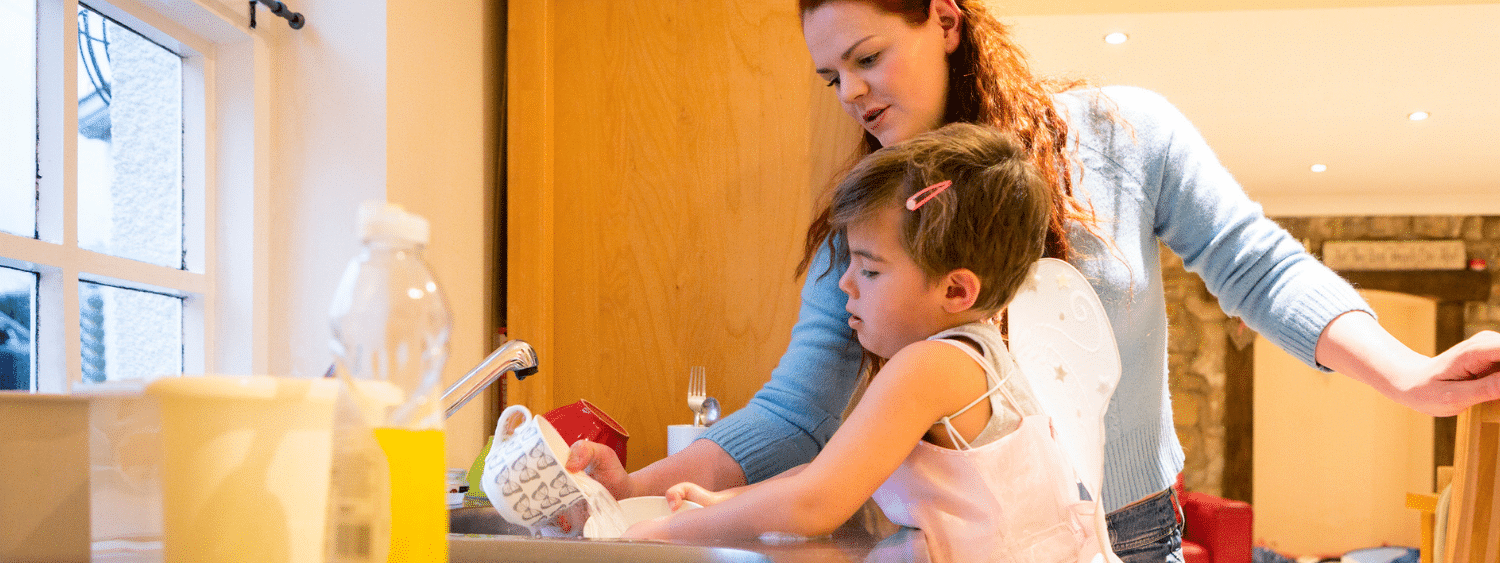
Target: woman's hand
x,y
693,493
600,462
1458,378
701,462
1444,385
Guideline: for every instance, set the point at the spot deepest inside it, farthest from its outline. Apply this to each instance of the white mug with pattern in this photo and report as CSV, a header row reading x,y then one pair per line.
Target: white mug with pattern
x,y
523,473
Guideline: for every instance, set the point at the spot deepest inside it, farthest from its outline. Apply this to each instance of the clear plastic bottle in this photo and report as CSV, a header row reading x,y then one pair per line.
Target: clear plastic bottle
x,y
387,498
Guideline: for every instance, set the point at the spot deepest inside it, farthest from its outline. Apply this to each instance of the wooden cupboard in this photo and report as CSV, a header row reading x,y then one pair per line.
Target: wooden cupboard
x,y
662,163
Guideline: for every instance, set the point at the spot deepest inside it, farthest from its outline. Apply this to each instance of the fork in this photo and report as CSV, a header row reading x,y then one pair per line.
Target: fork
x,y
697,391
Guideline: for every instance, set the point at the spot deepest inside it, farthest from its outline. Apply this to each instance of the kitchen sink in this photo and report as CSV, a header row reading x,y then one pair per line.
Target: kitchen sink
x,y
482,520
495,549
480,535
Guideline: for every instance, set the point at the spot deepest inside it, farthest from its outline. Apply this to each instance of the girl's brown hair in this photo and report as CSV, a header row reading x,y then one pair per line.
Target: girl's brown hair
x,y
989,83
990,219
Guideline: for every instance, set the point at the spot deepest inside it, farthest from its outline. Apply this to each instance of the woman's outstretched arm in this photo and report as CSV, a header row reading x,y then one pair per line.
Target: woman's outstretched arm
x,y
1355,345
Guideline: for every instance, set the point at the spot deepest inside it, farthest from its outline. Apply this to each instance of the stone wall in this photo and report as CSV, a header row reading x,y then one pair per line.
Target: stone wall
x,y
1201,336
1197,343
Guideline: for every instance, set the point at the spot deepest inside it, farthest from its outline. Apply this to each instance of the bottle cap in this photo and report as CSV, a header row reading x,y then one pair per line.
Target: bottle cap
x,y
379,219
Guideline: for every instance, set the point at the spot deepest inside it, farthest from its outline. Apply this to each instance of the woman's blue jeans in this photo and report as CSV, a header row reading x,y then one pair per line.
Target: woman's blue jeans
x,y
1147,531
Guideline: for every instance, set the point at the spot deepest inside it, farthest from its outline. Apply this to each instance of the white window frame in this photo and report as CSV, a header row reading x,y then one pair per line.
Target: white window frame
x,y
226,144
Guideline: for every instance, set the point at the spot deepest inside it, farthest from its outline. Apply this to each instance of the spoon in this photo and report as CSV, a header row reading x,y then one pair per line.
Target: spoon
x,y
710,411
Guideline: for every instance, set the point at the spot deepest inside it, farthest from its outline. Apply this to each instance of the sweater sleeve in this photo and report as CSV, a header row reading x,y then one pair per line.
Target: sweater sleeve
x,y
793,416
1255,268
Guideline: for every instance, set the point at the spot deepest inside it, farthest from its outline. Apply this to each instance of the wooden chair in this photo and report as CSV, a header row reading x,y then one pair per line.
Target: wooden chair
x,y
1427,505
1473,534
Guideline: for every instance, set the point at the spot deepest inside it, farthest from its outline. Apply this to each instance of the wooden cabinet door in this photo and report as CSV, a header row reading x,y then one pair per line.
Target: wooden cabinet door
x,y
662,162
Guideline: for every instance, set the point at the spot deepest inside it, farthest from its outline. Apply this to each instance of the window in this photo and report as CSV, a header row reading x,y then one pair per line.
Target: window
x,y
18,113
109,222
17,298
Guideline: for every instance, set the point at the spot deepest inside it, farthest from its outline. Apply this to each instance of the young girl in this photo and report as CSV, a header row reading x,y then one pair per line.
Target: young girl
x,y
940,232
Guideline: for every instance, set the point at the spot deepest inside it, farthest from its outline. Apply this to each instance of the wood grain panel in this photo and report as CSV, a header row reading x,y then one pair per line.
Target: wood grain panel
x,y
1473,534
529,196
665,150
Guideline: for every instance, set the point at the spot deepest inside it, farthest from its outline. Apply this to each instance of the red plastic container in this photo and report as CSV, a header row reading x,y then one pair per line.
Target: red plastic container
x,y
583,420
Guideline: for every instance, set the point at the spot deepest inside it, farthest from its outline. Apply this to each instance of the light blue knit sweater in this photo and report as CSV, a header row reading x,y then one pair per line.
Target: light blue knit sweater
x,y
1154,180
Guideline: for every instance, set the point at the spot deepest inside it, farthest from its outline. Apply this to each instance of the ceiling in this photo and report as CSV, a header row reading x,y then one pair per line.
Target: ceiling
x,y
1277,86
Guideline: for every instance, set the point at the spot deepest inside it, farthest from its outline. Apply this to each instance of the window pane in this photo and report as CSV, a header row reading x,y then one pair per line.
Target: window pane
x,y
128,334
129,143
17,294
18,117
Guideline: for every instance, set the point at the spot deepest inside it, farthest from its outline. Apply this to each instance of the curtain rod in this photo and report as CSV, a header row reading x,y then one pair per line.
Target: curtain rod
x,y
293,19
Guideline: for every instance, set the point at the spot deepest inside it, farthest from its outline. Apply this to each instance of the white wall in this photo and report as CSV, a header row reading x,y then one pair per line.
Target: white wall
x,y
1333,458
442,147
339,137
328,129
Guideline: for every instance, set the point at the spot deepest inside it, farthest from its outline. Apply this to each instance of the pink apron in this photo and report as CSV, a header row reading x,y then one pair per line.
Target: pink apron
x,y
1013,500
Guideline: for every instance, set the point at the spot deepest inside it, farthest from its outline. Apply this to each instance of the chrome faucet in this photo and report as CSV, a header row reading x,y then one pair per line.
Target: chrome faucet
x,y
514,355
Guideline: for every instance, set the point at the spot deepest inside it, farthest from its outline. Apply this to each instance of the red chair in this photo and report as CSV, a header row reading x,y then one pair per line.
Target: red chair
x,y
1215,530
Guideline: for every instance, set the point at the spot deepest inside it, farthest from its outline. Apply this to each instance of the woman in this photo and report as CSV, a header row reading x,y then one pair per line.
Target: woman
x,y
1129,172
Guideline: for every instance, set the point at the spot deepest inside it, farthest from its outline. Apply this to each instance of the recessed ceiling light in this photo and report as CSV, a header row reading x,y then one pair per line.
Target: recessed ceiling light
x,y
1319,167
1116,38
1418,115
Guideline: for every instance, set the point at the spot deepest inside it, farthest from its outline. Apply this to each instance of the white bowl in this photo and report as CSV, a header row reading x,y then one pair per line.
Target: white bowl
x,y
639,509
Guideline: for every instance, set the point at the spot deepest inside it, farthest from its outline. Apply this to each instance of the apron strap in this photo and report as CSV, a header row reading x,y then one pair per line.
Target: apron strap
x,y
997,384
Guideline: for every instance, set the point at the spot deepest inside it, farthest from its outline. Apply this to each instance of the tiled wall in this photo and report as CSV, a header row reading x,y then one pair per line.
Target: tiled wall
x,y
1201,335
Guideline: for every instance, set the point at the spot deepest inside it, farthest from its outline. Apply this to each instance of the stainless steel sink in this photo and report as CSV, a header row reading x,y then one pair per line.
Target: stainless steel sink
x,y
482,520
496,549
480,535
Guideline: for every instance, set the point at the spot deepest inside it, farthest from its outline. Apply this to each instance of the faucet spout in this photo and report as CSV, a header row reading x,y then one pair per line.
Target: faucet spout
x,y
514,355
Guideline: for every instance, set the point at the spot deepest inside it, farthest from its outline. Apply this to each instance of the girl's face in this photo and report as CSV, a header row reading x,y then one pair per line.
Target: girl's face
x,y
891,76
891,301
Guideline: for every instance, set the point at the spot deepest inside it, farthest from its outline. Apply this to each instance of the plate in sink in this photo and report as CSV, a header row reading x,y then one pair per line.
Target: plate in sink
x,y
638,509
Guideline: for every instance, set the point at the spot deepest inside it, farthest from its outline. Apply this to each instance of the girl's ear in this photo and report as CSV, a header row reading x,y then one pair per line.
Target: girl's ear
x,y
961,290
950,18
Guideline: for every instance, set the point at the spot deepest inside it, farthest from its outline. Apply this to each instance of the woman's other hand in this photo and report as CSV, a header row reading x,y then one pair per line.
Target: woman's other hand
x,y
1461,376
600,462
1356,345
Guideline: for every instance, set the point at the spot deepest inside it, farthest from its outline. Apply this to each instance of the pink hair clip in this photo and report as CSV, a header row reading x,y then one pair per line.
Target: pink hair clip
x,y
935,189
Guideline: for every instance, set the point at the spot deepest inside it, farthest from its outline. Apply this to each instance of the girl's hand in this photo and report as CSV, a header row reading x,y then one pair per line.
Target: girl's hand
x,y
694,493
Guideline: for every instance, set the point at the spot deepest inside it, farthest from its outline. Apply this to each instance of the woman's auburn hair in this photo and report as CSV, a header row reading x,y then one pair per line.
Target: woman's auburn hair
x,y
989,83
